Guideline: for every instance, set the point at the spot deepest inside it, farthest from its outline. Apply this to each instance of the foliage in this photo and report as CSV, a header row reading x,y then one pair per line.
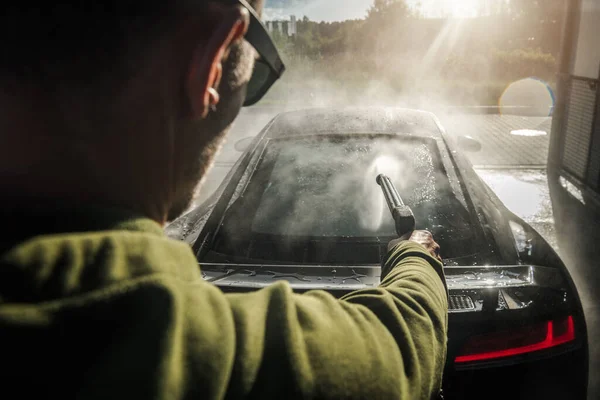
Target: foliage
x,y
395,49
522,63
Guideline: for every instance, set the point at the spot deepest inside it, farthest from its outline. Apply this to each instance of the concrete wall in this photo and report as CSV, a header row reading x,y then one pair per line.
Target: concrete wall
x,y
587,59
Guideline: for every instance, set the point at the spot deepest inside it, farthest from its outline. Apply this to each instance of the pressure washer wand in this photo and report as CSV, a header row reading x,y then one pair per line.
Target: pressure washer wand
x,y
402,214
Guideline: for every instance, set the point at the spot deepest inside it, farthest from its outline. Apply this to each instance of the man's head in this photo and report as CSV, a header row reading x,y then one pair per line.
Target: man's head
x,y
121,102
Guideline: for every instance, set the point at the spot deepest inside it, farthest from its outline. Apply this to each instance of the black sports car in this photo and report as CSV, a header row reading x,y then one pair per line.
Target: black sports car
x,y
302,205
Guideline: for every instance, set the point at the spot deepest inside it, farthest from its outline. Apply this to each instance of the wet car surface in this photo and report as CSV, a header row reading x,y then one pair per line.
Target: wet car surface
x,y
295,208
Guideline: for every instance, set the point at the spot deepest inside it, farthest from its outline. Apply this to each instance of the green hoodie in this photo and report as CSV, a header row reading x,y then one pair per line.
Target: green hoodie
x,y
101,304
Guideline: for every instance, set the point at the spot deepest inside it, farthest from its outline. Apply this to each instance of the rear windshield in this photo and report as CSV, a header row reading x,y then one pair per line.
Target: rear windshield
x,y
315,200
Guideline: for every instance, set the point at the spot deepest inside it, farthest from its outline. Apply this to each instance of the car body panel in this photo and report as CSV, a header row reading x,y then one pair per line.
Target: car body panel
x,y
515,278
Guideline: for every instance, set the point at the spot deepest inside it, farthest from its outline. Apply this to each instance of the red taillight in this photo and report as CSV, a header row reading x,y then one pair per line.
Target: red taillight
x,y
518,341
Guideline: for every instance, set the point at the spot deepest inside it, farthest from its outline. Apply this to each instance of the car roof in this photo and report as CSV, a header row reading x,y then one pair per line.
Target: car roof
x,y
385,120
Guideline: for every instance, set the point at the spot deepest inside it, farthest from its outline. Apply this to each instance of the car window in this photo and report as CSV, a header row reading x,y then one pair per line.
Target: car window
x,y
327,187
321,192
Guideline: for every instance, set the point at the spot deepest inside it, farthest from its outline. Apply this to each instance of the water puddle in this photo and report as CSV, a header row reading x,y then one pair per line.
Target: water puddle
x,y
528,132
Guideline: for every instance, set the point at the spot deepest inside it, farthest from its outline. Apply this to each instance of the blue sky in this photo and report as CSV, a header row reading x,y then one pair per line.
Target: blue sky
x,y
323,10
338,10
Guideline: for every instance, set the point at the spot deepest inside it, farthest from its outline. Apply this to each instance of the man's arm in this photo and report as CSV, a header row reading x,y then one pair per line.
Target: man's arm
x,y
385,342
169,334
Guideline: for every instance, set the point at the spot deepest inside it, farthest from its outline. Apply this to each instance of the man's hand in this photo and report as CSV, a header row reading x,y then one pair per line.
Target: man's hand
x,y
425,239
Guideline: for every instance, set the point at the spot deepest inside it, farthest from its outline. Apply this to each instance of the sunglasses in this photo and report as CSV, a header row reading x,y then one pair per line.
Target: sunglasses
x,y
269,67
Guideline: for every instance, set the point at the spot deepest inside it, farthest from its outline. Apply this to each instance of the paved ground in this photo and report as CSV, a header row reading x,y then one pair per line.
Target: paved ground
x,y
499,146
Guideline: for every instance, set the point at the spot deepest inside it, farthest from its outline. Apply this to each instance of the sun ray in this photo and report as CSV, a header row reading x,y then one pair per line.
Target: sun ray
x,y
465,8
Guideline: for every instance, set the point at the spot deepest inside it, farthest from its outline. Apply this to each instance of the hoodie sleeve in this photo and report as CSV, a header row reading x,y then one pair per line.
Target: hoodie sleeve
x,y
385,342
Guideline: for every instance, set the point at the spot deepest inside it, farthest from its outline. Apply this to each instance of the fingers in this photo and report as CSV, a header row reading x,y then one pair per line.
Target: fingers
x,y
425,239
422,235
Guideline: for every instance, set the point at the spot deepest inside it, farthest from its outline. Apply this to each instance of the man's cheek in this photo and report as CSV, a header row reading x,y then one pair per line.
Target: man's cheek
x,y
237,70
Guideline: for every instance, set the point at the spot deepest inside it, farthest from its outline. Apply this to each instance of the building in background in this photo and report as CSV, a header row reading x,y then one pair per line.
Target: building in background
x,y
574,163
574,159
288,28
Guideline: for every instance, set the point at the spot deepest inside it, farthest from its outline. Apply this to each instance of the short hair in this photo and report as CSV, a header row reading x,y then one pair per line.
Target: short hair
x,y
74,39
79,41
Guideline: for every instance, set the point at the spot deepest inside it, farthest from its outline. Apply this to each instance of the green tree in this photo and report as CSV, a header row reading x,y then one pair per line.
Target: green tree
x,y
540,23
388,11
306,44
384,24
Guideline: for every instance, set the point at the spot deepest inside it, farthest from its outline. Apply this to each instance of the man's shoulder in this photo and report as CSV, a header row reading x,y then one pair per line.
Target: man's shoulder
x,y
61,265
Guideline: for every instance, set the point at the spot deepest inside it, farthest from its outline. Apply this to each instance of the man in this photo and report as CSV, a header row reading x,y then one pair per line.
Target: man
x,y
108,122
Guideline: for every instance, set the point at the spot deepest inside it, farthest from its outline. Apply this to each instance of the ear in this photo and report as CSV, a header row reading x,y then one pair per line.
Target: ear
x,y
205,69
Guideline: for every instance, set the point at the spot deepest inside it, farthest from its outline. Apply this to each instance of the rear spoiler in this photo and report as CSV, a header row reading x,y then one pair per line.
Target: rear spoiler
x,y
471,289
